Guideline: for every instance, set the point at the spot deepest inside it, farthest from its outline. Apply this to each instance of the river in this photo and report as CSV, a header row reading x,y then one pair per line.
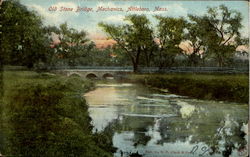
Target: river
x,y
156,124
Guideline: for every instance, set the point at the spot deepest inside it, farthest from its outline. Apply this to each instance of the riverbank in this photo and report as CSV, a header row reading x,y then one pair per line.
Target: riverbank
x,y
233,88
44,114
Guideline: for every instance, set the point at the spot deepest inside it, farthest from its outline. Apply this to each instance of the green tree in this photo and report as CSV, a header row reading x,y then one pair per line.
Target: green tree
x,y
135,38
170,34
73,44
194,37
22,38
222,27
121,58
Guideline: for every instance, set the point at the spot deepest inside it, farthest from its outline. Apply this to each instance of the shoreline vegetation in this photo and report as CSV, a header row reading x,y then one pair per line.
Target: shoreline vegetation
x,y
232,88
43,114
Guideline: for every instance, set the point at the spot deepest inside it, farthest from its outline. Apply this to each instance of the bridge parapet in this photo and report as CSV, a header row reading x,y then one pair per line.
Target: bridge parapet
x,y
97,73
119,72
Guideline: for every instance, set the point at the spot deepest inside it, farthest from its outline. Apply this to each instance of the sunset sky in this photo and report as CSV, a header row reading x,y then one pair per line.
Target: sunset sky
x,y
88,21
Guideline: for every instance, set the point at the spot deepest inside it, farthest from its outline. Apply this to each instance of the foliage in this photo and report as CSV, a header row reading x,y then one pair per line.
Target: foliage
x,y
1,109
170,34
135,38
213,87
109,56
212,38
72,44
21,28
195,41
45,115
222,27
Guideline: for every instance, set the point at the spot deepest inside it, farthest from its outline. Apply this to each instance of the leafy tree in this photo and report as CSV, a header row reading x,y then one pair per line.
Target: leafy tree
x,y
72,44
121,58
135,38
222,27
194,37
22,38
170,34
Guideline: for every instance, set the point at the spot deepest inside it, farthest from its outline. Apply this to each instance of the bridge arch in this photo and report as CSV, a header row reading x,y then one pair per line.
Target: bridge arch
x,y
91,76
107,75
74,75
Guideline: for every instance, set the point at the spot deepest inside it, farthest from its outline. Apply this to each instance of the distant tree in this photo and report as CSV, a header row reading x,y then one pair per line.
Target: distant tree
x,y
170,34
222,27
135,38
72,45
194,38
121,58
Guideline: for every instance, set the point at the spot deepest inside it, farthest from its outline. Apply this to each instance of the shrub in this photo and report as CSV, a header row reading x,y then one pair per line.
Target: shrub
x,y
217,87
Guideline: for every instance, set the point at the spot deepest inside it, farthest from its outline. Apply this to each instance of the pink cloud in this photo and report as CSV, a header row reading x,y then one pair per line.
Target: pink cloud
x,y
242,48
185,46
104,43
101,41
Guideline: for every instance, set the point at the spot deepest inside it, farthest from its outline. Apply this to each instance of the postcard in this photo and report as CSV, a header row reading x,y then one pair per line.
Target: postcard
x,y
124,78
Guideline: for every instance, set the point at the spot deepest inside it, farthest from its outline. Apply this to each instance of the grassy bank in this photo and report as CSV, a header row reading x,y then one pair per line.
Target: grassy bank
x,y
232,88
45,115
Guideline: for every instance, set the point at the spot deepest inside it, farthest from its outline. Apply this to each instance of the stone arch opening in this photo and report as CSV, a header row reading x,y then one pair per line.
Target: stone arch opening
x,y
108,76
91,76
75,75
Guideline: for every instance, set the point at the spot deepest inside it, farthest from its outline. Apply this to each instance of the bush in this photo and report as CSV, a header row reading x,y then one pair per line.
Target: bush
x,y
215,87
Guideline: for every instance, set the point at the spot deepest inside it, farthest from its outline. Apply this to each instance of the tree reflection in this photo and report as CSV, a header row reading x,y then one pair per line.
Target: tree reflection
x,y
219,131
138,125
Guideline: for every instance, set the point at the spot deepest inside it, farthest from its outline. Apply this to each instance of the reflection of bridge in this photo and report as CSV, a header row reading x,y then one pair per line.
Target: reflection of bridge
x,y
95,73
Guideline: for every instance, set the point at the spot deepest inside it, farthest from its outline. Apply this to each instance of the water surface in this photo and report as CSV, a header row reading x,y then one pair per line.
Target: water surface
x,y
156,124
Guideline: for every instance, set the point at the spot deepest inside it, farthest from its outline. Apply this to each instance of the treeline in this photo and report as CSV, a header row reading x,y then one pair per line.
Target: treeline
x,y
207,40
212,36
25,41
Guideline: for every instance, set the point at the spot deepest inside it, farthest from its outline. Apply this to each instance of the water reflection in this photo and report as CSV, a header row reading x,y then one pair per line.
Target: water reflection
x,y
149,123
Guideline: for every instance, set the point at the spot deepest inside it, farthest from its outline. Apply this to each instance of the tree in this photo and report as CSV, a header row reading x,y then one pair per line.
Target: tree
x,y
22,38
222,28
135,38
194,37
170,34
72,45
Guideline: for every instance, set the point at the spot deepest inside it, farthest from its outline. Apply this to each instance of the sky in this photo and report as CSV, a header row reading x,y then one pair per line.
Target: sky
x,y
88,21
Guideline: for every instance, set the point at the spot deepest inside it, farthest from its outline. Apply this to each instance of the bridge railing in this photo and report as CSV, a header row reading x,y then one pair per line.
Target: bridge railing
x,y
195,70
244,69
92,67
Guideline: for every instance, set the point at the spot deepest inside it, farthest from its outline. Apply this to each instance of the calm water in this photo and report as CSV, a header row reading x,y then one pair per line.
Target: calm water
x,y
156,124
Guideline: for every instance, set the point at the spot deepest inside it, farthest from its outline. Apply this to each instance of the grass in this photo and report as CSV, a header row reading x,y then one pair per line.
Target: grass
x,y
233,88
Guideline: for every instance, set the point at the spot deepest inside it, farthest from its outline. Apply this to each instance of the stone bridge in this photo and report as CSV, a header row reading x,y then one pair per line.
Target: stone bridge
x,y
121,72
95,73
